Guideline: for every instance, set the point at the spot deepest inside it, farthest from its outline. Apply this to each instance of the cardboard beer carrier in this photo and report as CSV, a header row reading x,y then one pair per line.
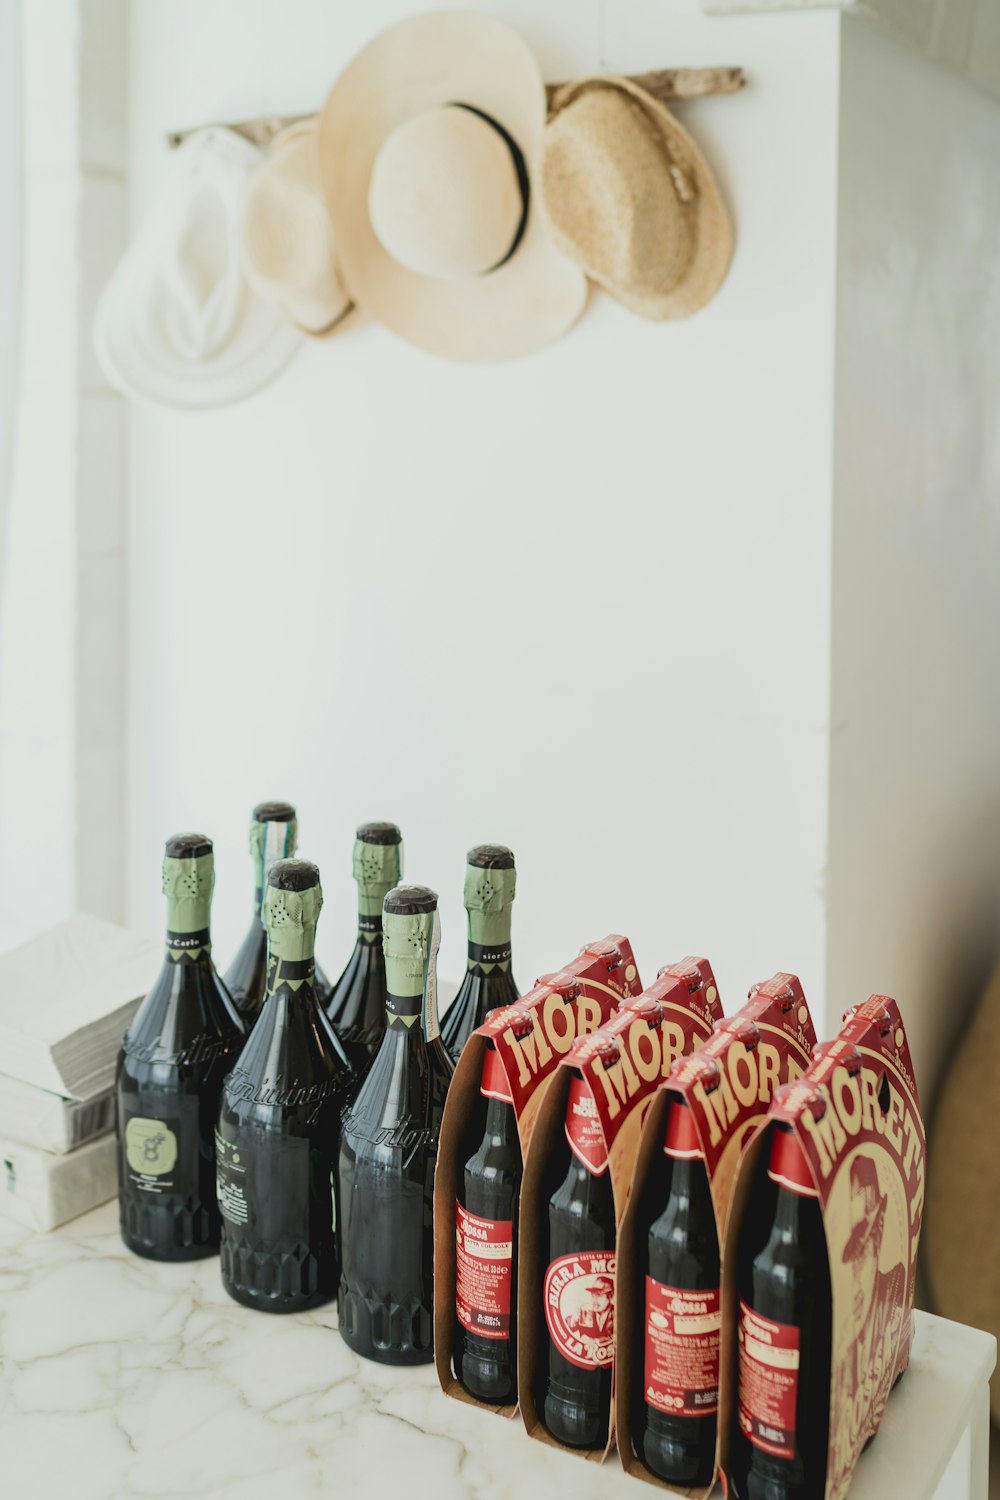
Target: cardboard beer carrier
x,y
562,1007
728,1084
622,1066
856,1115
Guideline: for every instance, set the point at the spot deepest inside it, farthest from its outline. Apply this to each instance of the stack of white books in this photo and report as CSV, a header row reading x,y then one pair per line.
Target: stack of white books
x,y
66,1000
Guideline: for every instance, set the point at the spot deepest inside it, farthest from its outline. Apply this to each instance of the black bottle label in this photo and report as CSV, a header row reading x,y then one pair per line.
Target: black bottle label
x,y
769,1382
186,947
151,1150
579,1299
485,957
483,1266
369,928
682,1350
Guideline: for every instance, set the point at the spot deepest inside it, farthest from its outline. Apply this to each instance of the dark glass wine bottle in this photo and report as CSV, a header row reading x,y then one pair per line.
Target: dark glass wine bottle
x,y
273,835
490,879
579,1286
357,1003
676,1381
781,1431
486,1220
176,1053
279,1123
388,1151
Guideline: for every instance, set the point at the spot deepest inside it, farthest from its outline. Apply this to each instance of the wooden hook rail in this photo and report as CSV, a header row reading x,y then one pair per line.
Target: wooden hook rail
x,y
669,85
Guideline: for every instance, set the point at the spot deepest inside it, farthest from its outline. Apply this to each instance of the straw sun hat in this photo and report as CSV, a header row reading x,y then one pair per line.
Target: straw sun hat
x,y
289,252
428,144
630,197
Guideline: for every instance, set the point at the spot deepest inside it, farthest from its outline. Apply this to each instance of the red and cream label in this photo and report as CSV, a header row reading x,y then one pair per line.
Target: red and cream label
x,y
483,1265
579,1298
769,1382
682,1349
583,1128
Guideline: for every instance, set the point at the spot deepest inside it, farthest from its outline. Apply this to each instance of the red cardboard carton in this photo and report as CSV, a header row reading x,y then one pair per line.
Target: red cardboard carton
x,y
622,1066
728,1084
562,1008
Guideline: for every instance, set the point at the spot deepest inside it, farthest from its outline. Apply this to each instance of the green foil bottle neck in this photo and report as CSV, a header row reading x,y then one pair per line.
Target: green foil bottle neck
x,y
290,918
410,944
489,899
270,841
377,868
188,886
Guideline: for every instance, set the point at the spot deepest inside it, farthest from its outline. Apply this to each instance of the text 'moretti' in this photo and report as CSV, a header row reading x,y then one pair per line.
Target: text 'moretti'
x,y
855,1117
727,1084
563,1006
621,1067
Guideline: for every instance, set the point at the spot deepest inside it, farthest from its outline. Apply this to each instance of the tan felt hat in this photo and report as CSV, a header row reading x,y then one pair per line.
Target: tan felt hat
x,y
427,147
288,247
631,198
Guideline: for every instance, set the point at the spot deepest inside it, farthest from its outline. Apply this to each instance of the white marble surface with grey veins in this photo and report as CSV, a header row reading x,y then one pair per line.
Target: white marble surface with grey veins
x,y
122,1378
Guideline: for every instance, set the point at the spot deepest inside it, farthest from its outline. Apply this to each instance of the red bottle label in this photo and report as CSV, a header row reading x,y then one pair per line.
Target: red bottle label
x,y
682,1349
583,1128
769,1382
580,1307
483,1264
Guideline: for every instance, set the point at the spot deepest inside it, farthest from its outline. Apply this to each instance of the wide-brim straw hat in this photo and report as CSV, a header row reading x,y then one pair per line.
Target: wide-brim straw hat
x,y
288,242
629,195
428,144
178,323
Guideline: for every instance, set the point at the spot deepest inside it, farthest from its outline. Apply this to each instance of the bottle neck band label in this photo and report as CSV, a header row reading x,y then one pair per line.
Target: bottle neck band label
x,y
495,1084
410,944
187,947
583,1129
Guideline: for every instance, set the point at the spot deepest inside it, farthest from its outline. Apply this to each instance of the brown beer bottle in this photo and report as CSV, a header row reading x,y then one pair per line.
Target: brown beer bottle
x,y
784,1338
578,1292
357,1002
490,880
486,1217
677,1384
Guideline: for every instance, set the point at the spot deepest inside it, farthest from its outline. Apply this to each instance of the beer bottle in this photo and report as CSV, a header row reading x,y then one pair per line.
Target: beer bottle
x,y
279,1124
784,1339
389,1147
486,1216
357,1003
178,1049
579,1287
273,835
490,879
676,1389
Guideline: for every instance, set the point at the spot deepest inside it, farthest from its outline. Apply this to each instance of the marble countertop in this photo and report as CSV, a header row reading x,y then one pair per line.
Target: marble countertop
x,y
123,1379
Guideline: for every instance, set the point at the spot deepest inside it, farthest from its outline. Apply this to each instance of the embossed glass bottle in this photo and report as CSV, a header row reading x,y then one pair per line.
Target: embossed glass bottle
x,y
176,1053
273,835
279,1123
388,1151
357,1003
490,879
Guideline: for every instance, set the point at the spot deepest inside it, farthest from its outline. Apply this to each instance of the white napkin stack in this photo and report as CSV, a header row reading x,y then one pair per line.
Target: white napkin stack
x,y
66,1000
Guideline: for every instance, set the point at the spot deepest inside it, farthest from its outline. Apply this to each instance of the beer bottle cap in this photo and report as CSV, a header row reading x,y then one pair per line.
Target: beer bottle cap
x,y
293,875
647,1009
410,901
494,1084
788,1166
188,846
682,1137
491,857
379,833
274,812
566,985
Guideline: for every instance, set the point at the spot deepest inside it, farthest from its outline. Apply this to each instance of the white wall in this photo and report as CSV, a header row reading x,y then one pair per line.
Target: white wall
x,y
579,603
915,749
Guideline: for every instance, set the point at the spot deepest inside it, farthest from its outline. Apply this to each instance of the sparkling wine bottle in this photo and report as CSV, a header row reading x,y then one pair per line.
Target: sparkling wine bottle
x,y
357,1002
279,1124
490,879
273,835
388,1151
176,1053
